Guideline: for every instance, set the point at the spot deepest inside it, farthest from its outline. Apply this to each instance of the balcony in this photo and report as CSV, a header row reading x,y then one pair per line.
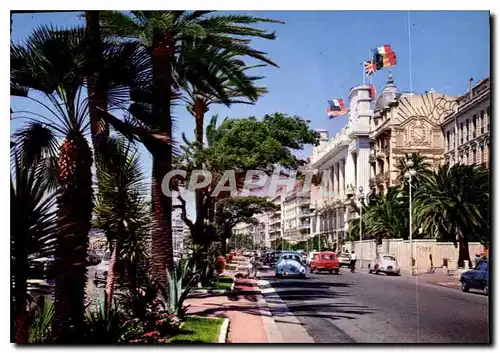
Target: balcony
x,y
303,201
275,221
305,214
474,134
304,225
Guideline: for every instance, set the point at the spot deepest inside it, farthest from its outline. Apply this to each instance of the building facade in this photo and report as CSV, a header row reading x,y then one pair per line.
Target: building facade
x,y
297,216
343,163
405,123
180,232
467,130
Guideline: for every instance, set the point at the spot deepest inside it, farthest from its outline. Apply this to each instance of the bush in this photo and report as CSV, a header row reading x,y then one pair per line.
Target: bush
x,y
220,264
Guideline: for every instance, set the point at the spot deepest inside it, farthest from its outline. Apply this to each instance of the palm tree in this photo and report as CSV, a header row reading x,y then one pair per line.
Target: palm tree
x,y
453,205
383,217
52,63
167,34
420,165
32,228
230,83
120,203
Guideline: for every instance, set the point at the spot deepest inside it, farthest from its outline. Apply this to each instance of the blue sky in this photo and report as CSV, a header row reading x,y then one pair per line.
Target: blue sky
x,y
320,55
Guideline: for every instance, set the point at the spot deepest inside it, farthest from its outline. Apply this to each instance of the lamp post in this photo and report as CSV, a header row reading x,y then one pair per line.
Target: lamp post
x,y
361,197
408,175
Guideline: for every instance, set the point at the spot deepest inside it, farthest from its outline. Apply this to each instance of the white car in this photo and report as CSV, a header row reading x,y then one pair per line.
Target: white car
x,y
101,270
290,264
384,263
345,259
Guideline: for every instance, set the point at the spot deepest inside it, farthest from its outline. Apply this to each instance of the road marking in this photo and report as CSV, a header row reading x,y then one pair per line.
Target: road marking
x,y
289,326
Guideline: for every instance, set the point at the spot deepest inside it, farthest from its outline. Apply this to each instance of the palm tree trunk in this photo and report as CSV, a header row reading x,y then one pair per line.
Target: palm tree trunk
x,y
161,240
199,113
74,213
463,251
96,89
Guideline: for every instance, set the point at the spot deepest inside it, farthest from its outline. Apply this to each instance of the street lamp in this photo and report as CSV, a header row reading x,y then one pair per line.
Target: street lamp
x,y
408,175
361,197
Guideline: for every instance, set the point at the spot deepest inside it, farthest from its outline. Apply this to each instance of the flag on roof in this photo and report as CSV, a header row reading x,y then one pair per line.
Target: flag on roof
x,y
336,108
370,68
372,90
383,56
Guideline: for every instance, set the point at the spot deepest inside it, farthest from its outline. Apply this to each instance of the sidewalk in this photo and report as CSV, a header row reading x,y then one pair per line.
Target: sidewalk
x,y
246,319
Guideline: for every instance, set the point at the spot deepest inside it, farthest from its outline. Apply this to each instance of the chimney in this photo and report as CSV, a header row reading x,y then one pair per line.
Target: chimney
x,y
470,87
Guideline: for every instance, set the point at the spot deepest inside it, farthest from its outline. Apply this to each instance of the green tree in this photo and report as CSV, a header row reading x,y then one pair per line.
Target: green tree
x,y
241,145
232,211
52,63
32,228
120,206
167,35
453,205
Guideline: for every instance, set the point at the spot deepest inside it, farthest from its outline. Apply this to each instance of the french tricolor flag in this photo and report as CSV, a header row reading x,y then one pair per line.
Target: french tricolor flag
x,y
336,108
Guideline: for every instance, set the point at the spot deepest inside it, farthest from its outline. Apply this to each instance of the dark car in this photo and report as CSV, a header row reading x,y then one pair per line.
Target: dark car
x,y
476,278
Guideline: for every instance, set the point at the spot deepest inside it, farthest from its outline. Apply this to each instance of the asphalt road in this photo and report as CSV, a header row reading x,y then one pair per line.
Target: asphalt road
x,y
362,308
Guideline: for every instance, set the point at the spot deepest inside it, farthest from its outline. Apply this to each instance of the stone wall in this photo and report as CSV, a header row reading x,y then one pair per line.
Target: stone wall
x,y
422,249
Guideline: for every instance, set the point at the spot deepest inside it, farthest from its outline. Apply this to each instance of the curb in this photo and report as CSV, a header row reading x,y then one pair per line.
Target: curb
x,y
272,331
223,331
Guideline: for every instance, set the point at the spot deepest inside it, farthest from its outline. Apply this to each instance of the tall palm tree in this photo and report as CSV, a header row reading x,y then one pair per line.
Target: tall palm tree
x,y
453,205
167,35
32,228
120,203
52,63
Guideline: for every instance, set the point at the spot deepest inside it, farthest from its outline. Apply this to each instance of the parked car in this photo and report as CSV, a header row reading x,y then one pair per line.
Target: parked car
x,y
476,278
101,270
290,265
310,257
325,261
93,258
384,263
345,259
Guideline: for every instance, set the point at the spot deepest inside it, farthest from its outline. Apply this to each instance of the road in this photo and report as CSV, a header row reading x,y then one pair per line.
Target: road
x,y
363,308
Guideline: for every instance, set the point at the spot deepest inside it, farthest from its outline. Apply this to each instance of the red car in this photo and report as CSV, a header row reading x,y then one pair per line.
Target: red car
x,y
325,261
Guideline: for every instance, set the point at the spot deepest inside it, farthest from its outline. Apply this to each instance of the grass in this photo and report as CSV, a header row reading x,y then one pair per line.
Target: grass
x,y
199,330
231,267
224,282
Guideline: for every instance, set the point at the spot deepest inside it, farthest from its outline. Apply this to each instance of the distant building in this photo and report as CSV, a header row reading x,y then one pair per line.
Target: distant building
x,y
467,130
178,233
296,216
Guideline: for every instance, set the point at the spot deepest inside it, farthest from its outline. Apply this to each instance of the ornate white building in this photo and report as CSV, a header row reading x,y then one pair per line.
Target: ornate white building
x,y
344,161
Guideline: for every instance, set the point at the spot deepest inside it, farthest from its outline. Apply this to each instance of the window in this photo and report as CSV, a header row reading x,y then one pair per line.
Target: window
x,y
389,258
448,141
467,130
474,125
329,257
461,133
474,156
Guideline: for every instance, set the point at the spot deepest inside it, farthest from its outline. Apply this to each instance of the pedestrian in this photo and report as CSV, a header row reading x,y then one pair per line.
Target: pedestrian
x,y
353,260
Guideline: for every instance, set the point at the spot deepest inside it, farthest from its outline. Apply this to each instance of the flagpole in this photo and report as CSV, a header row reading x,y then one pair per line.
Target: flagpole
x,y
363,70
370,78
